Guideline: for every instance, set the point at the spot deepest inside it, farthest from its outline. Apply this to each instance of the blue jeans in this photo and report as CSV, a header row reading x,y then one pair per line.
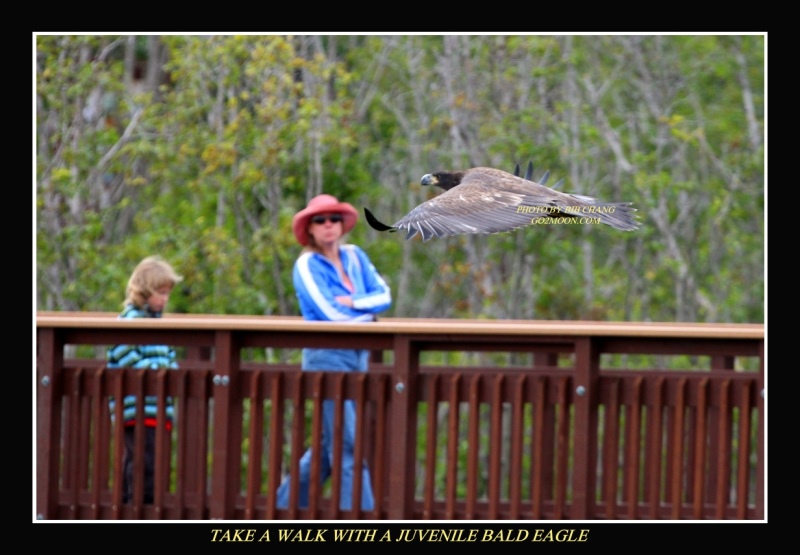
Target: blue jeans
x,y
343,360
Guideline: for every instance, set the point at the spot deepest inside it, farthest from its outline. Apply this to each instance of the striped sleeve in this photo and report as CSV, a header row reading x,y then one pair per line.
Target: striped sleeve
x,y
377,296
316,296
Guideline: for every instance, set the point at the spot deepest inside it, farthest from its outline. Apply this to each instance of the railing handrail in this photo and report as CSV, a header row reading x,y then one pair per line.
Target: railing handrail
x,y
413,326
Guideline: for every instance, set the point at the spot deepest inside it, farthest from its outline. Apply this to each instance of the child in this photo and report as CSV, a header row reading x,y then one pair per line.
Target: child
x,y
147,295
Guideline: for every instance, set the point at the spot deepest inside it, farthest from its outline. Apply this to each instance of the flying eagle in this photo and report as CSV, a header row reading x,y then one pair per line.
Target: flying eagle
x,y
488,200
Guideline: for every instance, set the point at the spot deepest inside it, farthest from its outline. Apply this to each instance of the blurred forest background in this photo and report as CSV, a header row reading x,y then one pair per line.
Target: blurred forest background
x,y
201,148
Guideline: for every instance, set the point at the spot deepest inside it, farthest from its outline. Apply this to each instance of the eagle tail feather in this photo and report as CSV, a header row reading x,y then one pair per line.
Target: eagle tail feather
x,y
623,217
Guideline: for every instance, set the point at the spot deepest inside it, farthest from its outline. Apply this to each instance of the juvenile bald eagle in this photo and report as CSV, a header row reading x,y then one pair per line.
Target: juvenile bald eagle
x,y
488,200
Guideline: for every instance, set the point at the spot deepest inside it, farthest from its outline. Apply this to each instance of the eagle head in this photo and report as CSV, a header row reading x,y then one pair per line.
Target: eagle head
x,y
429,179
445,180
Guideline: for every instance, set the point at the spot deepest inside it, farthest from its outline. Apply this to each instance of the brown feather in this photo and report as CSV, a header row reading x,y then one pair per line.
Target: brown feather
x,y
488,200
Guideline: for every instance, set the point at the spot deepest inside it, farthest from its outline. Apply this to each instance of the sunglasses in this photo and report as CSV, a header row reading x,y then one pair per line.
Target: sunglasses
x,y
334,219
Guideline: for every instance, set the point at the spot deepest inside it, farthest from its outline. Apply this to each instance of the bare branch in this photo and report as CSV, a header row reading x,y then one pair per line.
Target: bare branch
x,y
126,135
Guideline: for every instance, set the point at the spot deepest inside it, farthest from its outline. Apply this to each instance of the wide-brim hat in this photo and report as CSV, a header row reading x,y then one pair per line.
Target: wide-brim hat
x,y
322,204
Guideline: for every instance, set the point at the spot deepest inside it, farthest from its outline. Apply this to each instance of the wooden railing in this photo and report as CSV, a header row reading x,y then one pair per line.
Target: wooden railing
x,y
458,420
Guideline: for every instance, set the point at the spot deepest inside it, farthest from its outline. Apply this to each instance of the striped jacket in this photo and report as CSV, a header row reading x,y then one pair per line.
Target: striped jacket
x,y
141,356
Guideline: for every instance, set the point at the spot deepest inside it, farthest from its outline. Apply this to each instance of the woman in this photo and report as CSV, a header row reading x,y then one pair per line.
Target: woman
x,y
334,282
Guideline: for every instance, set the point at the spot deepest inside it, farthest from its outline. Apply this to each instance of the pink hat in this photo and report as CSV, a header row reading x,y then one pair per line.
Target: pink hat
x,y
322,204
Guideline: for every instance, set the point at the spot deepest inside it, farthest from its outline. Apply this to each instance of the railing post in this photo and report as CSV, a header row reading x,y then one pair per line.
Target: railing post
x,y
193,423
547,426
227,434
403,441
586,396
49,363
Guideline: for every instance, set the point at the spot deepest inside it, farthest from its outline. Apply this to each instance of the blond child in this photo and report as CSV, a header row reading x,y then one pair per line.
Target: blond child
x,y
147,294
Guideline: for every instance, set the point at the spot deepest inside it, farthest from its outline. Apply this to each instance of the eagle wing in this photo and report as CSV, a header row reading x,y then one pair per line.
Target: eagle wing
x,y
489,200
471,207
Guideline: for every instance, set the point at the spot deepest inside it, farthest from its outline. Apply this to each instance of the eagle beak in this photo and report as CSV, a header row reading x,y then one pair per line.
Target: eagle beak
x,y
428,179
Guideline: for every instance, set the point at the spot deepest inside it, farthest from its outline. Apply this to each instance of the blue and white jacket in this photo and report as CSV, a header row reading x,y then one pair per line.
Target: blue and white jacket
x,y
317,282
153,357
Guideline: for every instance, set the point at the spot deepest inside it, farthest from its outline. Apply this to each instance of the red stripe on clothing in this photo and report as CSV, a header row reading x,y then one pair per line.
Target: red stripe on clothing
x,y
149,422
